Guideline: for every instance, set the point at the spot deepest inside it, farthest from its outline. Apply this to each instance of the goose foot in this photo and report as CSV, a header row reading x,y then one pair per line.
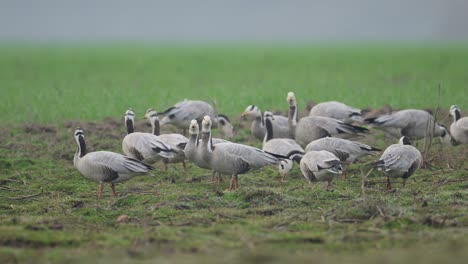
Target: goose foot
x,y
231,184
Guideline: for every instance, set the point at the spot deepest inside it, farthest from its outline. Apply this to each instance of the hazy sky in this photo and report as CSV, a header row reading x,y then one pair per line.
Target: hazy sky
x,y
242,20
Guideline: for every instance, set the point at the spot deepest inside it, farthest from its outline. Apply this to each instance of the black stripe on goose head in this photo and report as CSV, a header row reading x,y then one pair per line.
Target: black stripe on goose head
x,y
82,143
405,141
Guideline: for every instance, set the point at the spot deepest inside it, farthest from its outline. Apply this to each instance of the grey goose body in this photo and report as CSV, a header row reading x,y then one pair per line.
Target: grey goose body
x,y
106,166
399,160
459,126
411,123
144,147
337,110
183,112
320,166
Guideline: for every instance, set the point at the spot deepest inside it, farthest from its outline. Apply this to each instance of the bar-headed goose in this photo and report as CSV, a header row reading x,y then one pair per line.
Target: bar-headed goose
x,y
459,127
175,141
346,150
225,128
232,158
311,128
337,111
258,130
285,147
411,123
193,152
320,166
144,147
105,166
183,112
399,160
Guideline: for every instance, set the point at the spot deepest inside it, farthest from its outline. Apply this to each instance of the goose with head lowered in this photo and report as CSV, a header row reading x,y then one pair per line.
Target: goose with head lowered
x,y
346,150
175,141
311,128
400,161
105,166
144,147
320,166
232,158
182,113
258,129
337,110
411,123
459,126
286,147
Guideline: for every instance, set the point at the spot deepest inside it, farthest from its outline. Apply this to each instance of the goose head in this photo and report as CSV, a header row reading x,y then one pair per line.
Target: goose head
x,y
130,120
193,127
206,124
151,114
291,98
225,127
284,167
252,110
445,137
455,112
268,115
80,140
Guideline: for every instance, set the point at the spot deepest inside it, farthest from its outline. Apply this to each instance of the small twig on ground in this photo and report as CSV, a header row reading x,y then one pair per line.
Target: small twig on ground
x,y
363,183
23,197
430,131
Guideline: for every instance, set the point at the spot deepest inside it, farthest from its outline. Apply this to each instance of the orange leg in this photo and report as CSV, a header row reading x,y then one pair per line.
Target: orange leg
x,y
213,173
185,168
389,185
113,190
345,171
165,166
231,185
220,178
101,187
236,182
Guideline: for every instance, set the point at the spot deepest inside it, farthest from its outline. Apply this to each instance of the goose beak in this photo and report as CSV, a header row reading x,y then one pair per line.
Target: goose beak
x,y
244,114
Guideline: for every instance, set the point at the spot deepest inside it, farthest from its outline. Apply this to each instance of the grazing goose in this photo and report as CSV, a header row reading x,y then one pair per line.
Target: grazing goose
x,y
192,152
232,158
459,127
258,130
411,123
225,128
337,111
175,141
286,147
106,166
346,150
320,166
399,160
311,128
144,147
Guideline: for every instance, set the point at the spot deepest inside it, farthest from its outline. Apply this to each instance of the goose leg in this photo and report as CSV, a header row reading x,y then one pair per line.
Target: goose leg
x,y
329,185
220,178
165,166
283,178
212,177
231,185
345,171
185,168
236,181
101,187
113,189
389,185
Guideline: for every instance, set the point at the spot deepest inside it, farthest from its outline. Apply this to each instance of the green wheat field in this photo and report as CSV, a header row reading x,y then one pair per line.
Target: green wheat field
x,y
49,213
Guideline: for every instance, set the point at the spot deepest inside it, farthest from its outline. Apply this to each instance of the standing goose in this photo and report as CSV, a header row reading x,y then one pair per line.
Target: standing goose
x,y
175,141
399,160
337,111
411,123
346,150
232,158
286,147
459,127
192,152
258,130
144,147
105,166
311,128
320,166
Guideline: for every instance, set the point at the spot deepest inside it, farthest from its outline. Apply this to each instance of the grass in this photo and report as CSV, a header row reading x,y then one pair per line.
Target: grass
x,y
50,213
81,81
